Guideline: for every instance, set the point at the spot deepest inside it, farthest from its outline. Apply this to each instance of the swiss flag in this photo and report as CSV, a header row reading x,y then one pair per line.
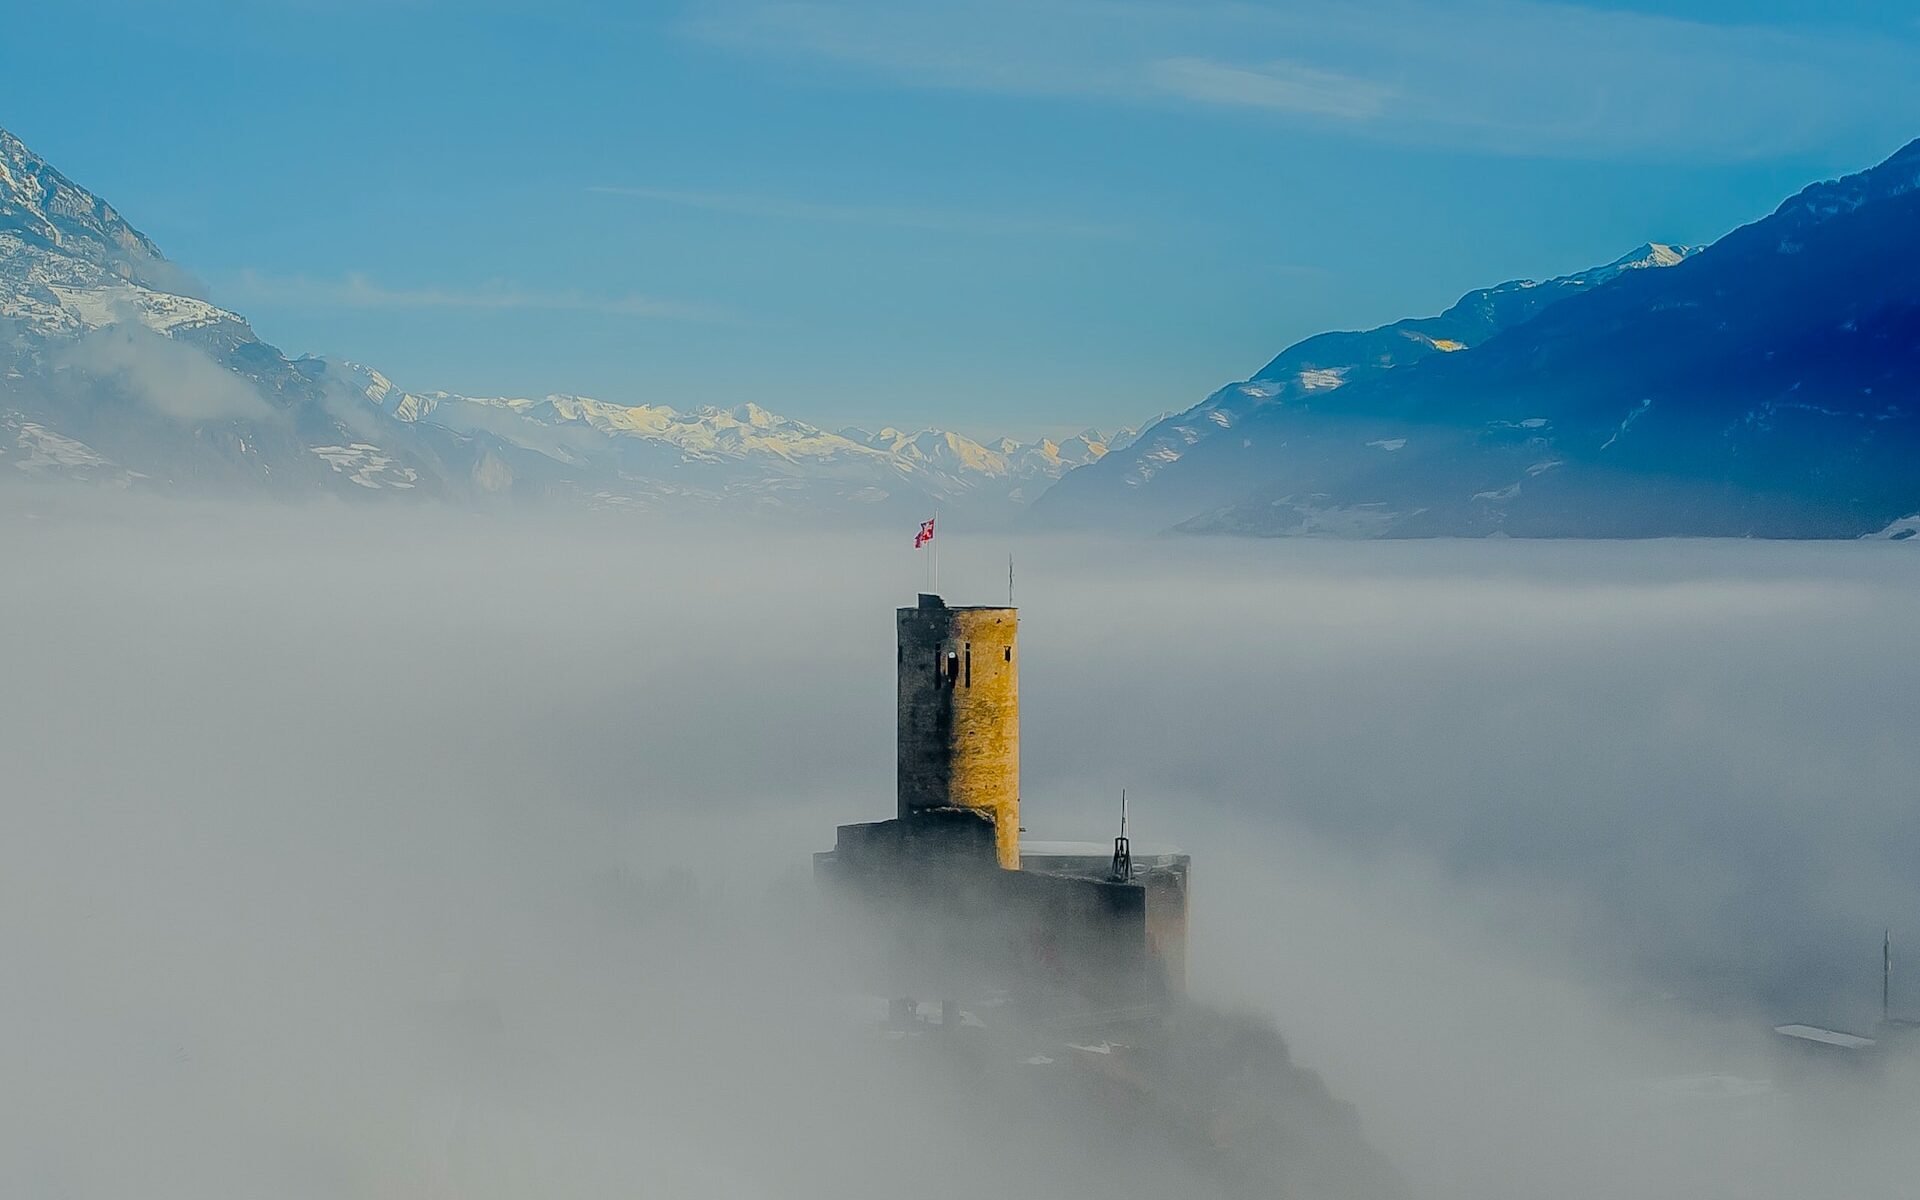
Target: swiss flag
x,y
925,535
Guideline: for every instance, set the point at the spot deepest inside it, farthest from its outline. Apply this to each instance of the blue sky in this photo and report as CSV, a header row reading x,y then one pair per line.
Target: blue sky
x,y
1016,216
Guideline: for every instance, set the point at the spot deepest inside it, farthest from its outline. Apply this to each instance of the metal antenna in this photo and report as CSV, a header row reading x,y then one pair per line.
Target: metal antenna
x,y
1886,975
1122,848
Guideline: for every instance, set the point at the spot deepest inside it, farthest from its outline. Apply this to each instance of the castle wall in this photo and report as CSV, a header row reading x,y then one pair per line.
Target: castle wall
x,y
1162,876
952,923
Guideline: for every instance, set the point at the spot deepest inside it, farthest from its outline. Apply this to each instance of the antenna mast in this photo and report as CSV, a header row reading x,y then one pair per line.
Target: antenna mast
x,y
1886,975
1122,848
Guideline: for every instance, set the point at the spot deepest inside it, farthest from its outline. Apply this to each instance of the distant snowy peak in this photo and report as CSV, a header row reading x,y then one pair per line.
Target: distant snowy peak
x,y
1658,254
1087,446
1647,256
46,208
1653,254
756,443
935,448
370,384
1005,457
1509,303
753,415
1329,360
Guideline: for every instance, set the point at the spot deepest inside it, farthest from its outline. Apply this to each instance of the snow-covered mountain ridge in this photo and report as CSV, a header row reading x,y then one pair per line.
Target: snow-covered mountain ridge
x,y
114,368
1134,489
1767,385
585,432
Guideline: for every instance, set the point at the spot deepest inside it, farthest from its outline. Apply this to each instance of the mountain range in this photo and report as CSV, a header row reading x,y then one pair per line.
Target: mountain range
x,y
114,370
1765,385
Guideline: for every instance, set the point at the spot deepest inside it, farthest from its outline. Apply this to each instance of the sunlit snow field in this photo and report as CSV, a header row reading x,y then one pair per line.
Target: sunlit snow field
x,y
349,851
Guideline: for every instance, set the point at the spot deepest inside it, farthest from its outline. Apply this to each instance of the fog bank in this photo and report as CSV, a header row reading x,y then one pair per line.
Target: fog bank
x,y
354,852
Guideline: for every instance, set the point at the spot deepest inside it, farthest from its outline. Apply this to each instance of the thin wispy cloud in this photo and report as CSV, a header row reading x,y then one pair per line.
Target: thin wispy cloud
x,y
926,220
1284,86
1503,76
355,290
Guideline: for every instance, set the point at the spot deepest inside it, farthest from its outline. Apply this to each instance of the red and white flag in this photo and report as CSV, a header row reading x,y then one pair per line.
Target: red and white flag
x,y
925,535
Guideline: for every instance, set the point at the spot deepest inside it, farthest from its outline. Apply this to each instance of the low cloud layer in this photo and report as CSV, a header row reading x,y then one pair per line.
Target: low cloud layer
x,y
172,378
355,853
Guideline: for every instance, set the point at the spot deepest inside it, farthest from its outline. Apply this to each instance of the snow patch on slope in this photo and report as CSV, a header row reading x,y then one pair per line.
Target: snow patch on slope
x,y
368,466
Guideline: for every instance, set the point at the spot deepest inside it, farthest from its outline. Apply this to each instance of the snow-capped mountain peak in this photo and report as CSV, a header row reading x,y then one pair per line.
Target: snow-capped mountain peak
x,y
746,443
1650,255
45,208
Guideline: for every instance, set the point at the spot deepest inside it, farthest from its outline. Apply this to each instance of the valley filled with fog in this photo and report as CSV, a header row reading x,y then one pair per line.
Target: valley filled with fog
x,y
358,852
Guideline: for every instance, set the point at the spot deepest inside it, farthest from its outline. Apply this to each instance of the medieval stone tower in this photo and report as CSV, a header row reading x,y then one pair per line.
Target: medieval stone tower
x,y
959,717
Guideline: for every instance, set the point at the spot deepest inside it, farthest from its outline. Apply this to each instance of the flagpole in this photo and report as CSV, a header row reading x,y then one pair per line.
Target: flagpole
x,y
933,556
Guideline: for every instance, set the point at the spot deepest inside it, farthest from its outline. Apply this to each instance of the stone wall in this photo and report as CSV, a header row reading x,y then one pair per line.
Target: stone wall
x,y
959,716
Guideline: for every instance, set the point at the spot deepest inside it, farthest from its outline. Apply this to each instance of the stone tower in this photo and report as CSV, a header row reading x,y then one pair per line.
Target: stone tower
x,y
959,717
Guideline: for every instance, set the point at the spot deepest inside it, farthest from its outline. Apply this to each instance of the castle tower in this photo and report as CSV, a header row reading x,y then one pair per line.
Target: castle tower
x,y
959,717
